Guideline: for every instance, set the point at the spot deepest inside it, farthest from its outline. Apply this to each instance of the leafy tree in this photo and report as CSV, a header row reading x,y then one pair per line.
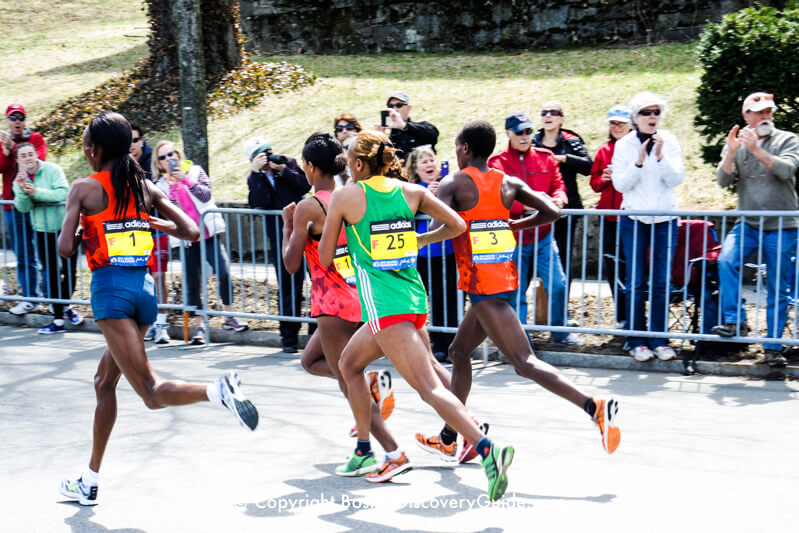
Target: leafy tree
x,y
754,49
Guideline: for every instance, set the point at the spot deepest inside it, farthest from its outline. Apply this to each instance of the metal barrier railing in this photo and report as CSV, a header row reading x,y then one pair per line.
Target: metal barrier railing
x,y
245,260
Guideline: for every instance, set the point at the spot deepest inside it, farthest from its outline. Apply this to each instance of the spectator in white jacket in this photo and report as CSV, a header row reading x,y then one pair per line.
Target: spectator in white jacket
x,y
647,166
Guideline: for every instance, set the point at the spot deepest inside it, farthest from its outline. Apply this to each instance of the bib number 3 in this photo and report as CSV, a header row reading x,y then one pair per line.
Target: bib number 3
x,y
492,241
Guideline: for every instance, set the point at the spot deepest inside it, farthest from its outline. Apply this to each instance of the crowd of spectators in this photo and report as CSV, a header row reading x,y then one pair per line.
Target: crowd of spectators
x,y
636,170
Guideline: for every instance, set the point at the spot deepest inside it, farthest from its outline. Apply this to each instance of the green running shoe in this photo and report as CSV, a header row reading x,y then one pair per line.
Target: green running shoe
x,y
496,465
358,465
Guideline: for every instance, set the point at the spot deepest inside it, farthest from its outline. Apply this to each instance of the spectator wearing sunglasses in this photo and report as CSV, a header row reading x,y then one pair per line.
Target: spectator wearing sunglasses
x,y
140,150
762,161
18,225
404,133
346,128
274,186
536,252
647,166
573,159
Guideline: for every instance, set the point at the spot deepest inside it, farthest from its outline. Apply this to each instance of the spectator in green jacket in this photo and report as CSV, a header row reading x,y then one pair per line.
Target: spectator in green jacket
x,y
41,187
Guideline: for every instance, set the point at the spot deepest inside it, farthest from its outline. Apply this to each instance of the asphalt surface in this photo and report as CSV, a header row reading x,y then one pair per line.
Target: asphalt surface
x,y
699,453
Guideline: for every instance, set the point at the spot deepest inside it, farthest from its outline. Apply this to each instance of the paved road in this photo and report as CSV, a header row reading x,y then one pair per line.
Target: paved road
x,y
697,453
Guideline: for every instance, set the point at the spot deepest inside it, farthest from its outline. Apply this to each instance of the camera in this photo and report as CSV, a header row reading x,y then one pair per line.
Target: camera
x,y
276,158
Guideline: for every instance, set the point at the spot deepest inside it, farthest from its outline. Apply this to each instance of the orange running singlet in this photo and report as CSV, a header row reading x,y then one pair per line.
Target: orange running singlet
x,y
126,241
484,252
333,291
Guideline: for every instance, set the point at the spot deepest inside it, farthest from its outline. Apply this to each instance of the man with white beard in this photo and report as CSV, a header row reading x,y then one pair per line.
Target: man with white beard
x,y
762,161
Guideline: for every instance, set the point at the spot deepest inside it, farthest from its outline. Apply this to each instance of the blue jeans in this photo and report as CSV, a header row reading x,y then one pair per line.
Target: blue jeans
x,y
637,240
23,242
543,260
740,243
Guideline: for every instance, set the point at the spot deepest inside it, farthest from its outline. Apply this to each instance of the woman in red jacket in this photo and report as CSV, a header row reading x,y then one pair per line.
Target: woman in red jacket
x,y
610,198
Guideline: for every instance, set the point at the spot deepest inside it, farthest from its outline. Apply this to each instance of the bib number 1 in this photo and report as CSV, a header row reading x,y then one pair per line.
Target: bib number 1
x,y
129,242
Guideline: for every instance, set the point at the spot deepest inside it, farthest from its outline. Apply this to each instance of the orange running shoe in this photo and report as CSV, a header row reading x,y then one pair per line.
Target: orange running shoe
x,y
390,468
467,449
604,418
382,393
436,447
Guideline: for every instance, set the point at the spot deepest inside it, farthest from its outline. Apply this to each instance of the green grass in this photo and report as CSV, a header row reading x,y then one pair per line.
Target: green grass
x,y
91,43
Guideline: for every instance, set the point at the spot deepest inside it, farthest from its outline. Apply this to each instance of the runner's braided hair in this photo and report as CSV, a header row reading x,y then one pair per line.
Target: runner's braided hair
x,y
325,152
111,132
374,149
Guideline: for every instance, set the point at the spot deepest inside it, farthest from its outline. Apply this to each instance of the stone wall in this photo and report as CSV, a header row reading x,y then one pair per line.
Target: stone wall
x,y
356,26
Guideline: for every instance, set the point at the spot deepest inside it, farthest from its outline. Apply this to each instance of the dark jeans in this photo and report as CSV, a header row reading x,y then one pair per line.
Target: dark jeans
x,y
613,258
23,241
443,296
216,256
60,272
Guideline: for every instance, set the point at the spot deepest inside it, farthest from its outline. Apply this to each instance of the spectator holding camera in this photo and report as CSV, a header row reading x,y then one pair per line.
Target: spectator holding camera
x,y
610,198
275,181
189,187
38,188
647,166
18,225
404,133
762,161
436,264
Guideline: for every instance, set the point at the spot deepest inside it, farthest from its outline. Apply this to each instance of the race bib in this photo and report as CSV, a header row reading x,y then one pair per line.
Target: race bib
x,y
492,241
343,264
129,241
394,244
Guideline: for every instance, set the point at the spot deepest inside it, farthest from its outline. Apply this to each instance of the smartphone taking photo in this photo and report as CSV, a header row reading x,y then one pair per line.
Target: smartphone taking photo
x,y
384,118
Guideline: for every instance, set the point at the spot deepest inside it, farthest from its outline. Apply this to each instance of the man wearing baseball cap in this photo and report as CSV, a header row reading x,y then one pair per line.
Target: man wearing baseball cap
x,y
537,252
761,161
274,182
404,133
18,225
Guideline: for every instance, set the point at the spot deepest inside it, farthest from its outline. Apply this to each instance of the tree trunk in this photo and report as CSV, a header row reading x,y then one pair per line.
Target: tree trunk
x,y
192,81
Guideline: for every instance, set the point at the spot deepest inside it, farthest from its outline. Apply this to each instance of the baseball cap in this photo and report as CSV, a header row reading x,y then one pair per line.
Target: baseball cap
x,y
646,99
255,146
399,95
15,108
518,122
758,102
620,113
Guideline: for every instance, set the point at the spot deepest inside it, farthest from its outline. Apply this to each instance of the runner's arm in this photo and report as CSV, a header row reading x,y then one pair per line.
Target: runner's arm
x,y
174,222
339,203
70,238
546,210
452,224
295,233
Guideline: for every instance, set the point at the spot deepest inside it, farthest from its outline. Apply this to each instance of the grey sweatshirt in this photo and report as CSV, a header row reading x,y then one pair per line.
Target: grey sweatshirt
x,y
762,189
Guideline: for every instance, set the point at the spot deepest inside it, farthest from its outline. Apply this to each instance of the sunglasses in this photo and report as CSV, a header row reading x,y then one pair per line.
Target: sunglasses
x,y
616,123
342,127
16,118
553,112
163,157
528,131
398,105
135,140
648,112
767,97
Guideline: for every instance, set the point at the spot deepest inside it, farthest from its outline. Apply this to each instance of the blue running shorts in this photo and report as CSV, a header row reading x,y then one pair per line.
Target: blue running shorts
x,y
476,298
124,292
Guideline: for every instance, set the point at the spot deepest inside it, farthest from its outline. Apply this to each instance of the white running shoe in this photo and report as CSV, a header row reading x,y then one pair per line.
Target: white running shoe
x,y
76,490
161,335
642,353
21,308
232,398
665,353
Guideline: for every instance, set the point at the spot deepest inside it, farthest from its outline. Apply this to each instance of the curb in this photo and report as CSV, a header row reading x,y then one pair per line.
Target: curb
x,y
569,359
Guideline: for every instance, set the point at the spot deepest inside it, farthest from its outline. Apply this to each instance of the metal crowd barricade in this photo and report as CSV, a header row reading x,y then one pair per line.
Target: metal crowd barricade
x,y
251,248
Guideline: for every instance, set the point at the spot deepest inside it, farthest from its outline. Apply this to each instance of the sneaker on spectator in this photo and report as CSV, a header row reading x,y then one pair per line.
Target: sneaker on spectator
x,y
22,308
642,353
665,353
75,318
568,340
774,358
199,336
52,328
150,333
731,330
161,335
3,288
235,325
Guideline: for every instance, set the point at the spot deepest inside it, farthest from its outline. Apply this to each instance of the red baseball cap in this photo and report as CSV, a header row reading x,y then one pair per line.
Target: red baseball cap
x,y
15,108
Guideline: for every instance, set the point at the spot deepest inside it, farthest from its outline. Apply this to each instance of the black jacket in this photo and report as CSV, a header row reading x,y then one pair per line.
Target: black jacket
x,y
290,186
145,161
577,161
415,134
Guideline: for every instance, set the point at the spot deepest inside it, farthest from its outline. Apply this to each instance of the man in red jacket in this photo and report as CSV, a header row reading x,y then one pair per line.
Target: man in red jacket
x,y
537,252
18,225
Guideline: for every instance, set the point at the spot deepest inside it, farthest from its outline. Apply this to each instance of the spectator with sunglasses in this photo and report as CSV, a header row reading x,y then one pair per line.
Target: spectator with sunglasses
x,y
573,159
404,133
536,252
762,161
18,225
346,128
140,150
647,166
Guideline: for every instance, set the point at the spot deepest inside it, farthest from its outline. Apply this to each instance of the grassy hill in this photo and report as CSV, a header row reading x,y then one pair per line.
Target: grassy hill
x,y
65,51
